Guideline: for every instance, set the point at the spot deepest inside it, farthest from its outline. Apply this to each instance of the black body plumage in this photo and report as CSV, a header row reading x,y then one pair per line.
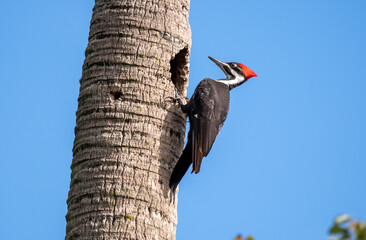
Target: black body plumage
x,y
207,111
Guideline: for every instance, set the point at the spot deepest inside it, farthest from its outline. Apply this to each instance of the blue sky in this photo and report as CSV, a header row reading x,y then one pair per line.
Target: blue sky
x,y
290,157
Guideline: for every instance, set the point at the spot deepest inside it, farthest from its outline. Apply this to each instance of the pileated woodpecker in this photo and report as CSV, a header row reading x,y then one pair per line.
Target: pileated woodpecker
x,y
207,110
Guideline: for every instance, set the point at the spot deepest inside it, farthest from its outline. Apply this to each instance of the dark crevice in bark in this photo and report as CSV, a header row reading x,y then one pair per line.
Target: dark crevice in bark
x,y
125,83
100,36
107,63
179,69
120,7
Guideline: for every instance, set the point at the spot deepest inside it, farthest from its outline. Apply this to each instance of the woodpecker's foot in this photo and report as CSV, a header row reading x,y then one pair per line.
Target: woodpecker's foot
x,y
175,99
170,99
177,96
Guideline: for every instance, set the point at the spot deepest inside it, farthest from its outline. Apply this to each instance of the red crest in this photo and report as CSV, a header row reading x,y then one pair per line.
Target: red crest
x,y
248,73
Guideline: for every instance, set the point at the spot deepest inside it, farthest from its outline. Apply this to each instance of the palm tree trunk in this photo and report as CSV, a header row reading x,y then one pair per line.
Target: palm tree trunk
x,y
127,139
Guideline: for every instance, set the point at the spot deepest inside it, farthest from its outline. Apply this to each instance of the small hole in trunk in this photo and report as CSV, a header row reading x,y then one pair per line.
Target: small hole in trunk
x,y
116,95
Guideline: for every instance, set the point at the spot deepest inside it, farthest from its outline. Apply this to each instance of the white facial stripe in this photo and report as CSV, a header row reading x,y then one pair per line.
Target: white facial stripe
x,y
233,82
234,78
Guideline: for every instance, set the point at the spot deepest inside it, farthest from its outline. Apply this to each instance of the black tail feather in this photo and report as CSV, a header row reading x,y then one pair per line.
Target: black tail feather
x,y
181,168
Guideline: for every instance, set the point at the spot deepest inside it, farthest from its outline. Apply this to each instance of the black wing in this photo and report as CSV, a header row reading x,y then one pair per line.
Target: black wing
x,y
207,111
209,107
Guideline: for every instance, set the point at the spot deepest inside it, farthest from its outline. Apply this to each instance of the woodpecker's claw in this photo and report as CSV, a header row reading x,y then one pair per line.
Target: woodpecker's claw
x,y
171,99
176,98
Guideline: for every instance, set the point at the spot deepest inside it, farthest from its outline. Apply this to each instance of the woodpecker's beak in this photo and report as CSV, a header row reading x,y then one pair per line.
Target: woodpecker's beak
x,y
222,65
218,62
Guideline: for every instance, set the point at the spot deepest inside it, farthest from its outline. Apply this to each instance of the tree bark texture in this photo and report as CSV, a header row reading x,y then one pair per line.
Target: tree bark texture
x,y
127,139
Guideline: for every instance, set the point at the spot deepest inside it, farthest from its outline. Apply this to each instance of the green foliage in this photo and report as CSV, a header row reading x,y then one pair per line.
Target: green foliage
x,y
239,237
345,228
